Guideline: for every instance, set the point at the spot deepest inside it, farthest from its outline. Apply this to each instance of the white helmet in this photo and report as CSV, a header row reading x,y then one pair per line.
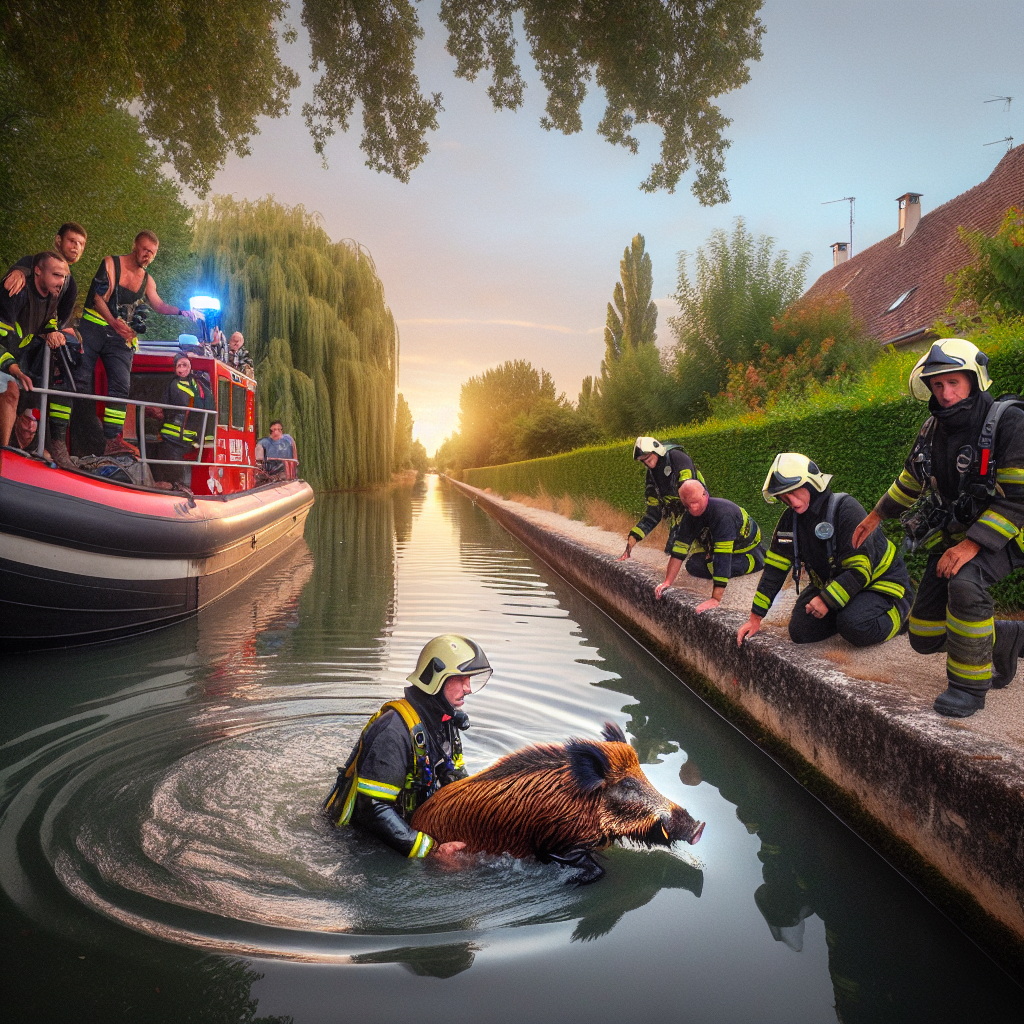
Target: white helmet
x,y
647,446
789,471
948,356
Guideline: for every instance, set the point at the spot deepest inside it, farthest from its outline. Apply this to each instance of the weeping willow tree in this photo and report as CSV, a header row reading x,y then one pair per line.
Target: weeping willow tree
x,y
314,318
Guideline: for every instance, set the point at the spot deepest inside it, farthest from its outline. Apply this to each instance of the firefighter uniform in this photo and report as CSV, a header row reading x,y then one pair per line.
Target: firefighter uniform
x,y
661,490
722,543
955,614
867,590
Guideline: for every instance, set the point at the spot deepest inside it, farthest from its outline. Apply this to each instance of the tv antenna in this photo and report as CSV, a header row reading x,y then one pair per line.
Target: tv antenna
x,y
1005,100
1008,140
846,199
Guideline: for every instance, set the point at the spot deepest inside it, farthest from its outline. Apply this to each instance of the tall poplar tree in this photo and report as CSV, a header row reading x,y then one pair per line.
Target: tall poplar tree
x,y
632,316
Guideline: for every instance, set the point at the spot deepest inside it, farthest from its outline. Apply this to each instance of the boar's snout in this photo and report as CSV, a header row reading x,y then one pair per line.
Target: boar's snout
x,y
680,825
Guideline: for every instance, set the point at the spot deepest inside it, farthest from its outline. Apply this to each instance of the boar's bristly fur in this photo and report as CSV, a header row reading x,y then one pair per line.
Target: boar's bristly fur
x,y
558,802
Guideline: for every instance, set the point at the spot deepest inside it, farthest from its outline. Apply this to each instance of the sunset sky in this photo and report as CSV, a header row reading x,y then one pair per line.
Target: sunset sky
x,y
507,241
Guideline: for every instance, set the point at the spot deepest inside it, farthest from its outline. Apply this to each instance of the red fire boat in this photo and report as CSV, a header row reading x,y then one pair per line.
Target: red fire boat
x,y
86,558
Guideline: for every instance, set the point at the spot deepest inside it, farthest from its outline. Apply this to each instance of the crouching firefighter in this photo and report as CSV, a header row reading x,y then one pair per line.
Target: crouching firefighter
x,y
863,592
411,748
965,478
668,468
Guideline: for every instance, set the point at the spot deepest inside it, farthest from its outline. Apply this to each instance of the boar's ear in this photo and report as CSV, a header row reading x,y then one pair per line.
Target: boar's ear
x,y
613,733
588,764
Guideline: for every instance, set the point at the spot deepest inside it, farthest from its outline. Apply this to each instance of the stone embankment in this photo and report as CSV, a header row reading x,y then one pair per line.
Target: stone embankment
x,y
941,798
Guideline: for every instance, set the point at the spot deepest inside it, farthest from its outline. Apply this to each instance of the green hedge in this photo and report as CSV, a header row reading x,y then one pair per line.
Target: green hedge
x,y
862,436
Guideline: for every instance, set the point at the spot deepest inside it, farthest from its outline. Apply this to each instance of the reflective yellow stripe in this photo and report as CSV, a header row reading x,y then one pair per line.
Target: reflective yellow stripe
x,y
5,358
901,497
999,523
114,416
94,318
723,547
653,501
637,532
973,673
1010,475
378,790
777,561
680,550
25,340
751,564
896,590
886,561
894,616
983,627
927,627
908,482
60,412
761,601
423,845
753,544
838,594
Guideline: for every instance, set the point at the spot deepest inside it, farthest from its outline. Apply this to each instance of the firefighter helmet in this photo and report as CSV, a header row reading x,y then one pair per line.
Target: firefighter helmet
x,y
648,446
446,656
948,356
791,470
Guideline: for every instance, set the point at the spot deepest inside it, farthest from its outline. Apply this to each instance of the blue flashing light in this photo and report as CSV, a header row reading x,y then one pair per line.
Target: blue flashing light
x,y
204,302
187,339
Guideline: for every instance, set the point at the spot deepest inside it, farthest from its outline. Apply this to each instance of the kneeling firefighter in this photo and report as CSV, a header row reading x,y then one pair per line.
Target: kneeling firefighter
x,y
410,748
965,478
862,592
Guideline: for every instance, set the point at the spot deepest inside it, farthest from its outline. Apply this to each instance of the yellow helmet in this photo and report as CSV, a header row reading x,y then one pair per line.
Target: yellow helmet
x,y
791,470
647,446
948,356
446,656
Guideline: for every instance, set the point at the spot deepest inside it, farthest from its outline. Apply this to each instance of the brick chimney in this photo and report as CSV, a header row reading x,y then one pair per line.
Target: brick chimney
x,y
910,214
840,253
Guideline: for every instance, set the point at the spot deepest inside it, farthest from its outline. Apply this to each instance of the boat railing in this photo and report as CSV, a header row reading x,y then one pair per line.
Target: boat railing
x,y
140,406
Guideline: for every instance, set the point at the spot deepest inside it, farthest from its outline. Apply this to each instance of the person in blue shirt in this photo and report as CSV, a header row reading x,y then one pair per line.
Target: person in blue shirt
x,y
271,451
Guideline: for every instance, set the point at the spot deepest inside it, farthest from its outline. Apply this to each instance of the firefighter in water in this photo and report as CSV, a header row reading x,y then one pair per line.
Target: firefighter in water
x,y
965,473
863,593
410,748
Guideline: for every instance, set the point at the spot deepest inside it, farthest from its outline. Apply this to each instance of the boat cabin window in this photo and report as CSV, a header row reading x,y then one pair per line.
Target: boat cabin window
x,y
238,392
223,402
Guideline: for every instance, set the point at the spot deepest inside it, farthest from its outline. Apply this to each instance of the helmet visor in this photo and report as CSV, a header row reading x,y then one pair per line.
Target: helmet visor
x,y
478,680
777,484
478,668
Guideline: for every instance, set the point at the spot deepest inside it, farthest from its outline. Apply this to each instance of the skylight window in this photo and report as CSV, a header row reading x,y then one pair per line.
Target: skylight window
x,y
903,298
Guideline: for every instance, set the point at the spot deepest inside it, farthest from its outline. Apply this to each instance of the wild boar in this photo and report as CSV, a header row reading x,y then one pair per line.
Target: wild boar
x,y
558,802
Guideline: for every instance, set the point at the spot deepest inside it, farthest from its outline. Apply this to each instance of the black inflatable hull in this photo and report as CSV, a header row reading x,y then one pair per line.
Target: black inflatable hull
x,y
83,560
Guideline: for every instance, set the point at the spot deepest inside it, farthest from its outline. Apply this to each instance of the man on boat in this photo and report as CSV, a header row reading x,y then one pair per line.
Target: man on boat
x,y
721,539
65,347
238,354
24,317
271,453
668,468
110,325
862,593
410,748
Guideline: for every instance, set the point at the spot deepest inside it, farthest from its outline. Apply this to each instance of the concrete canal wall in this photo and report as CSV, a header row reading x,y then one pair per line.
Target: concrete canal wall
x,y
943,799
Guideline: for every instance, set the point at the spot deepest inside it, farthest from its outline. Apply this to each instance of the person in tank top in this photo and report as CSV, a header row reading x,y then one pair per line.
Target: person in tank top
x,y
121,285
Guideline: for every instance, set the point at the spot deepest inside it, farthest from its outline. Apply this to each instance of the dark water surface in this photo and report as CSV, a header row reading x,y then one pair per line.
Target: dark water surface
x,y
162,858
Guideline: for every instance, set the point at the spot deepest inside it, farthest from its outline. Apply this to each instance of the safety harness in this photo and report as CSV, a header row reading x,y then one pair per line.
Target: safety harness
x,y
419,780
934,516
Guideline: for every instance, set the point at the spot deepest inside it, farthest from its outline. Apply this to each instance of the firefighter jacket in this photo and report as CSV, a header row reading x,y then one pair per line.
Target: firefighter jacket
x,y
956,429
65,301
661,491
390,785
182,428
721,531
22,319
874,566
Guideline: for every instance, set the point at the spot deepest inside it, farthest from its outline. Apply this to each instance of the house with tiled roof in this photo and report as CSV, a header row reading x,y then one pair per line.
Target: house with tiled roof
x,y
897,288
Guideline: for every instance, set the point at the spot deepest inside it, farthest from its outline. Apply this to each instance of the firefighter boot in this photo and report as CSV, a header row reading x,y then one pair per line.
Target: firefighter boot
x,y
117,445
959,702
1008,646
59,454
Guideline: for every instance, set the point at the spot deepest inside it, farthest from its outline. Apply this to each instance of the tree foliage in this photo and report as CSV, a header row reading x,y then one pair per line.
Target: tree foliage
x,y
993,283
402,458
197,74
97,169
658,62
727,312
815,342
314,317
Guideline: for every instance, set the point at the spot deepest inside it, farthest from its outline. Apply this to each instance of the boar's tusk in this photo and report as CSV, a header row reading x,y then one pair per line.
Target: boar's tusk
x,y
665,834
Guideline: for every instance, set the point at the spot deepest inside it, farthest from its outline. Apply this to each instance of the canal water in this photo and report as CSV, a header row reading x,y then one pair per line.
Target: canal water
x,y
162,858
